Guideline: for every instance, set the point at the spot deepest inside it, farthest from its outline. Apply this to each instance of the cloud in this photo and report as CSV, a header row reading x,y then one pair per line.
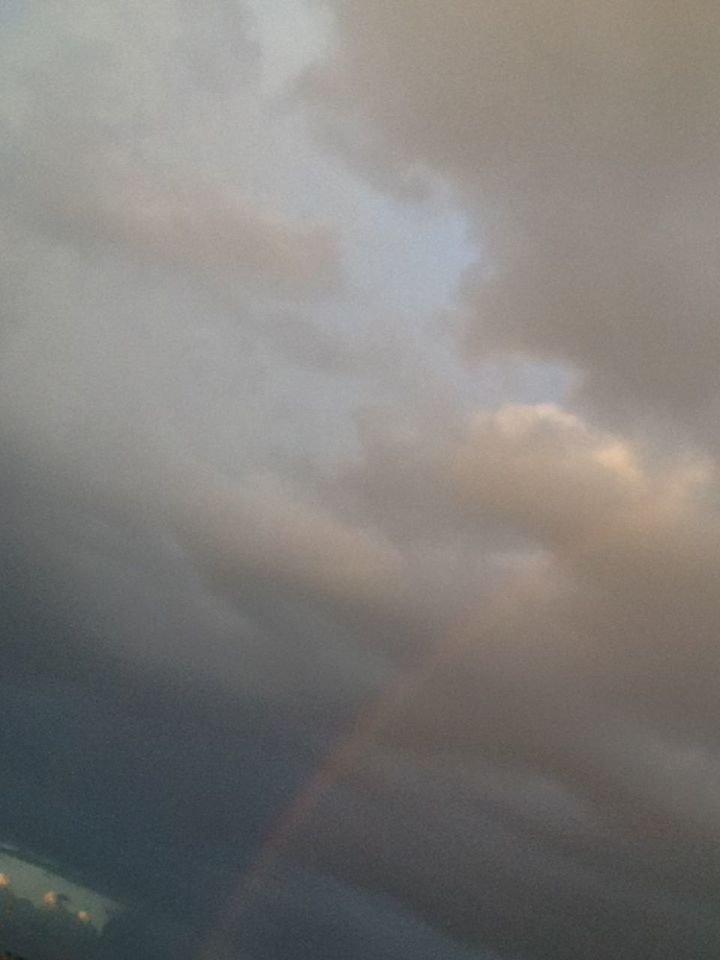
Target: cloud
x,y
576,686
189,226
561,530
324,915
93,165
275,558
580,143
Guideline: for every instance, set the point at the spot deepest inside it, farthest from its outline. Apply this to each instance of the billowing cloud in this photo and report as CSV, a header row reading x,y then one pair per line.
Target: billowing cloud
x,y
318,638
581,140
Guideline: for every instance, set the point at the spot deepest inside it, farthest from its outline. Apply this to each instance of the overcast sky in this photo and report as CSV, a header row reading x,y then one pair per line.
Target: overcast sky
x,y
359,385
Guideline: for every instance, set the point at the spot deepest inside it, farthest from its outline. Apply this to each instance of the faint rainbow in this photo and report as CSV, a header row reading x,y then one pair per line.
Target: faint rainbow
x,y
341,757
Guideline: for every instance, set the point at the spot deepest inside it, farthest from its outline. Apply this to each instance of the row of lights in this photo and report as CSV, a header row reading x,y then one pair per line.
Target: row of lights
x,y
50,899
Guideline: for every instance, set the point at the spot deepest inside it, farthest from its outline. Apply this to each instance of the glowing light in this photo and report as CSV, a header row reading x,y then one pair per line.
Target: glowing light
x,y
83,916
50,899
4,880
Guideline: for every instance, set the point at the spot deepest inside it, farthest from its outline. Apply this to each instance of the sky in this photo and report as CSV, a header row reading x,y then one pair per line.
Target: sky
x,y
358,402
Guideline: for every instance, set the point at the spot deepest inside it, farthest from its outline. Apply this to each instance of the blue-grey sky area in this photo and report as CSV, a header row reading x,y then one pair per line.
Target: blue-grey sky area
x,y
358,401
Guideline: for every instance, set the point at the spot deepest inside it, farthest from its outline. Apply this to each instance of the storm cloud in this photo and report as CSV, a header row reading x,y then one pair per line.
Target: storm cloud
x,y
358,384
